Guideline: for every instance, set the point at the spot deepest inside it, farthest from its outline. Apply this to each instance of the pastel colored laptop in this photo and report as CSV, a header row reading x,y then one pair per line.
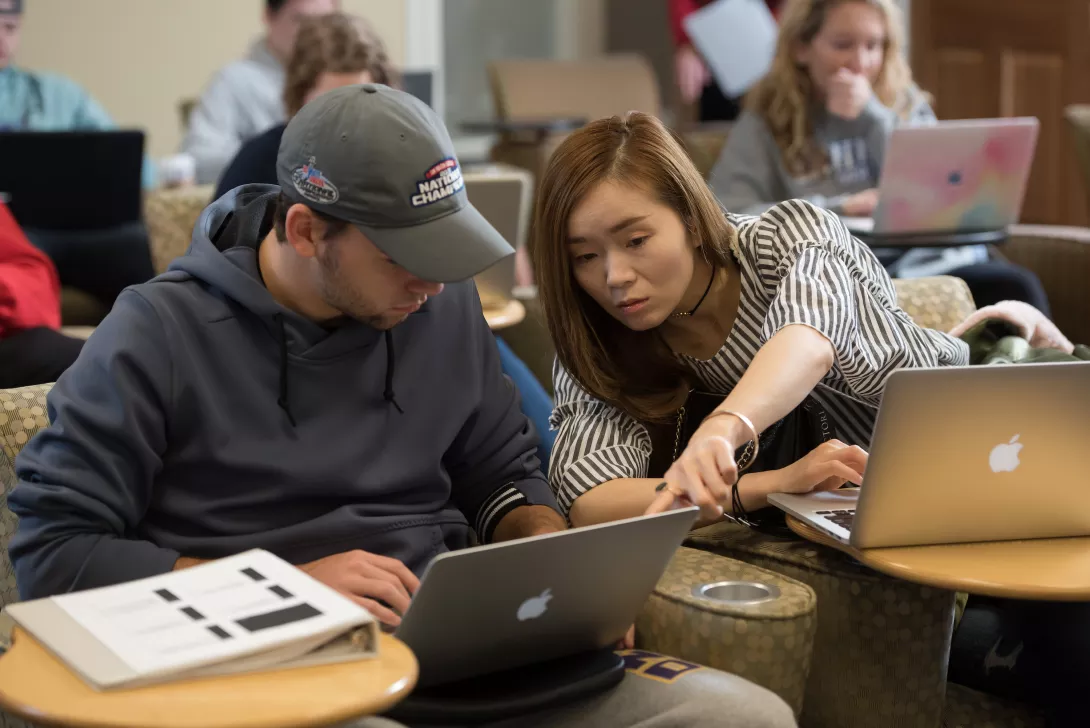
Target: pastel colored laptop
x,y
953,176
505,605
967,454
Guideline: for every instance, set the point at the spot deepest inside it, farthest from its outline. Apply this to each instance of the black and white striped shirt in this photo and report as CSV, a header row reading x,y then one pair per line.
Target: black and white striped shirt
x,y
798,265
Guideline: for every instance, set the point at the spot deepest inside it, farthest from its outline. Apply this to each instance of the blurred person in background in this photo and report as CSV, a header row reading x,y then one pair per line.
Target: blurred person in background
x,y
816,127
694,79
245,98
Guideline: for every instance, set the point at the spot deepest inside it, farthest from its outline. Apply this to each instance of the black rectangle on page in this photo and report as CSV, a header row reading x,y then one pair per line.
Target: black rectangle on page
x,y
192,614
253,574
280,592
278,618
219,632
167,595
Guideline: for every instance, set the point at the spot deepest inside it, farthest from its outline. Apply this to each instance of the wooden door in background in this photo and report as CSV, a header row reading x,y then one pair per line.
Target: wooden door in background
x,y
987,58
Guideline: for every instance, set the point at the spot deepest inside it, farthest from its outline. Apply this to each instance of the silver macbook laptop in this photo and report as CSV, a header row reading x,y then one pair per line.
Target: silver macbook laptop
x,y
953,177
503,195
511,604
968,454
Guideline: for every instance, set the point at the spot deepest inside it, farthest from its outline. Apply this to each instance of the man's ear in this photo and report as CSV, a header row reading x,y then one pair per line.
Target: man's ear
x,y
303,230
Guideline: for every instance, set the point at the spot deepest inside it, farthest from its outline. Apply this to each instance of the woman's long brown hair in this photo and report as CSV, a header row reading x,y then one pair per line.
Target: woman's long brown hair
x,y
633,370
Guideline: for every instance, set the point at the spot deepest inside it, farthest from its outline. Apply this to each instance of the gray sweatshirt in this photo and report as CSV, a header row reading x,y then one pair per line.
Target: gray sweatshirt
x,y
750,175
243,100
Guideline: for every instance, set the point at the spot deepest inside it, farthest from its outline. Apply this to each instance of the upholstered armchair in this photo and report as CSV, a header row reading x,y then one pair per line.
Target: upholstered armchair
x,y
170,215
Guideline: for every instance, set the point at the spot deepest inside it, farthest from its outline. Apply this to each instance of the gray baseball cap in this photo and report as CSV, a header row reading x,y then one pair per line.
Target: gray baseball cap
x,y
382,160
11,7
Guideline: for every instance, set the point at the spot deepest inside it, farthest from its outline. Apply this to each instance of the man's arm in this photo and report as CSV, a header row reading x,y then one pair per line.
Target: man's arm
x,y
528,521
85,482
493,462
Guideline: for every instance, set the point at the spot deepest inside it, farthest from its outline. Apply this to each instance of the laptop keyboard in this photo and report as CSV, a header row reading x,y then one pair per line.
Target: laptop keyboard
x,y
842,518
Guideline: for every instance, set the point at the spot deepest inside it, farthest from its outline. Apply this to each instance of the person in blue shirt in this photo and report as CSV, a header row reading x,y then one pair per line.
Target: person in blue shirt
x,y
101,263
37,101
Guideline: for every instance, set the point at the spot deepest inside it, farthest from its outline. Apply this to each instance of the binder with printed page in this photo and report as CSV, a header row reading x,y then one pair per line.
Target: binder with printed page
x,y
243,613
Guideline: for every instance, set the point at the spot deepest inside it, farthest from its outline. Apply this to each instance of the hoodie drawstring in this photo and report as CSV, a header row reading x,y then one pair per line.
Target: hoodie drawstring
x,y
388,394
283,399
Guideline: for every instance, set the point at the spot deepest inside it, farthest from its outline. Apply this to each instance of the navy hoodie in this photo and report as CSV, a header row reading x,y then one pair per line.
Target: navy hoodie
x,y
203,419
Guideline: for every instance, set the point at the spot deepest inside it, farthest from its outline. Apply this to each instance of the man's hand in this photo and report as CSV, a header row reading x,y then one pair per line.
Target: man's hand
x,y
365,577
526,521
847,94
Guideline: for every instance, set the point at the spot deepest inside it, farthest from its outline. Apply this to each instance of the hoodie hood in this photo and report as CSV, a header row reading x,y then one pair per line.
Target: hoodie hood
x,y
224,255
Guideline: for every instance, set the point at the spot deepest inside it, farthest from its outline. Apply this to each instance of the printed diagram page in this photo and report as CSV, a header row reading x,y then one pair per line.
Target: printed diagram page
x,y
211,613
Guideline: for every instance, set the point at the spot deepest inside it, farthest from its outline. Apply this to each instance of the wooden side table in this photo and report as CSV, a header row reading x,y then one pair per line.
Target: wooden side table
x,y
502,317
1047,569
37,686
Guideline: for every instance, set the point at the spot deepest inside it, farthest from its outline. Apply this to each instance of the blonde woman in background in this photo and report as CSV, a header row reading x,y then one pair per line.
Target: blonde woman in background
x,y
816,127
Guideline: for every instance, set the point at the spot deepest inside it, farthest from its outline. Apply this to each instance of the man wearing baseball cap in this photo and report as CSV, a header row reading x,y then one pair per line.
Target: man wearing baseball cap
x,y
314,378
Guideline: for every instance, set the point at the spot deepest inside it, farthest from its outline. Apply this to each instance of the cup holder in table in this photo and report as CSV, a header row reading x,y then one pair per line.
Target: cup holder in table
x,y
741,593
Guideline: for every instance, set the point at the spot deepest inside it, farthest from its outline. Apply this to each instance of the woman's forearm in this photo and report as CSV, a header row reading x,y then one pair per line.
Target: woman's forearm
x,y
630,497
613,500
784,371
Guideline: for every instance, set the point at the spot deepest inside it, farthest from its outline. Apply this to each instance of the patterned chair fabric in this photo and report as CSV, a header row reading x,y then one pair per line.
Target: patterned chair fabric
x,y
766,642
22,414
170,216
881,644
937,302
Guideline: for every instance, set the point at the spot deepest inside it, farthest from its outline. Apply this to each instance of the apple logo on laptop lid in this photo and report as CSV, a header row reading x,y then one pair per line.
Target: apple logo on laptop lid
x,y
534,607
1004,457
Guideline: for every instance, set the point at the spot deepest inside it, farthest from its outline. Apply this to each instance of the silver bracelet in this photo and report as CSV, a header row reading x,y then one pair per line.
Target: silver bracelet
x,y
748,423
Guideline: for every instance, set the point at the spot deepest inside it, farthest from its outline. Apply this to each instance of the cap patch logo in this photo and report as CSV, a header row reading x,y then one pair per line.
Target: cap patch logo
x,y
440,182
314,185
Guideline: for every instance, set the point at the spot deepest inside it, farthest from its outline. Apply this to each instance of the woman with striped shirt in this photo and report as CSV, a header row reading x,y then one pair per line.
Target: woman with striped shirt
x,y
671,295
651,291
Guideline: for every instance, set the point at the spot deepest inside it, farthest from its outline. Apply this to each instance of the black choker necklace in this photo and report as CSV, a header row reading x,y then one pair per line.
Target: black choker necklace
x,y
711,278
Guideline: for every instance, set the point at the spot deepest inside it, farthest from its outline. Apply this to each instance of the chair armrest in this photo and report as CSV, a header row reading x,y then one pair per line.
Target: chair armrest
x,y
767,641
881,644
936,302
1060,256
170,216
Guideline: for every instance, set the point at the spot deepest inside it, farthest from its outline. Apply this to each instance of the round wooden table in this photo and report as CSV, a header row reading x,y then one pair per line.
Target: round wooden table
x,y
37,686
1046,569
501,317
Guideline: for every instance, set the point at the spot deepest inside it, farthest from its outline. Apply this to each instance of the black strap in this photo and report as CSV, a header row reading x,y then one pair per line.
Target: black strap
x,y
523,691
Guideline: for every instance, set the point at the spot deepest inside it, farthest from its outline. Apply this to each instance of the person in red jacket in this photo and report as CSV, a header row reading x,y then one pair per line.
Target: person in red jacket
x,y
32,348
694,80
